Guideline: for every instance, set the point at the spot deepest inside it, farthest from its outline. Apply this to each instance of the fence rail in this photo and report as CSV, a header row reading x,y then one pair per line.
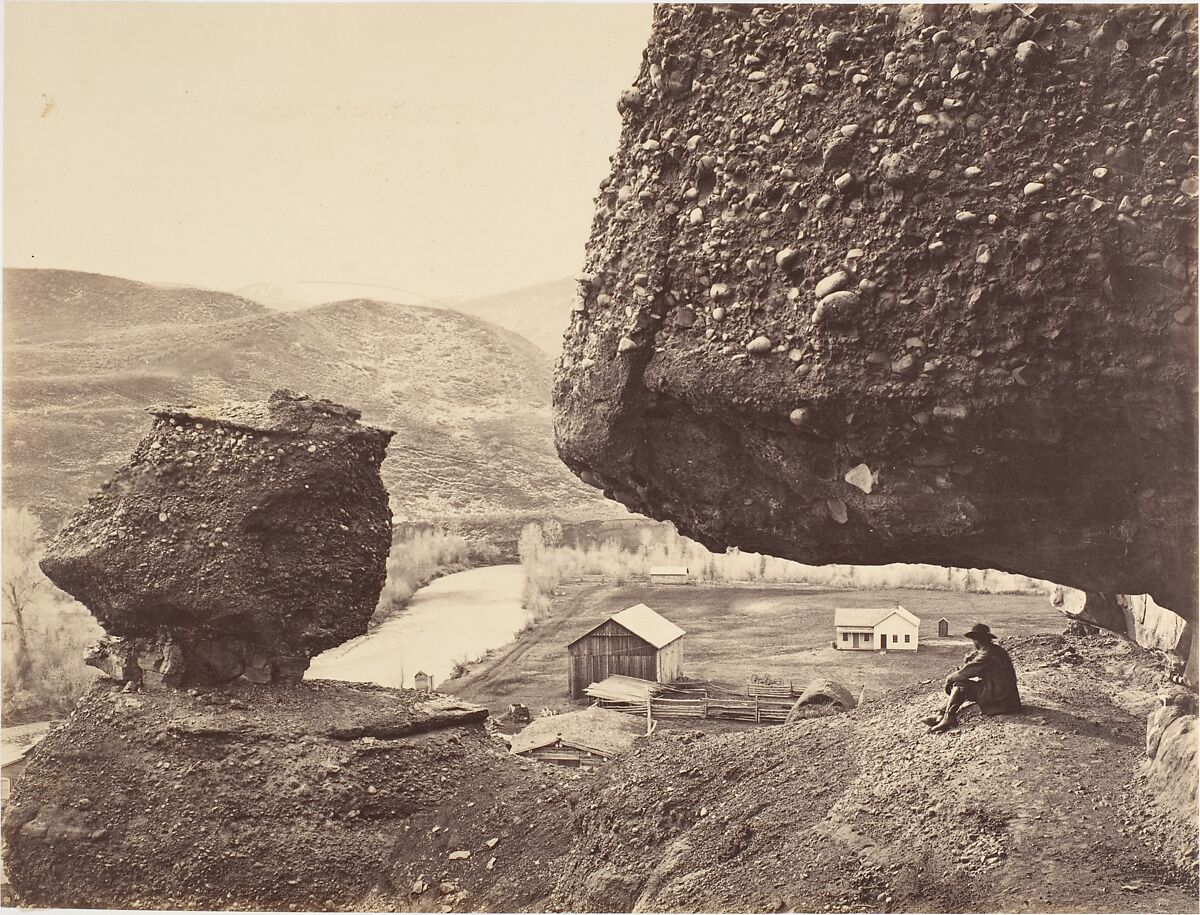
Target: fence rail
x,y
752,708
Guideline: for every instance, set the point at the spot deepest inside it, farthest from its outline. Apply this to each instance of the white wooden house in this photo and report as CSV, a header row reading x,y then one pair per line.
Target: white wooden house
x,y
875,629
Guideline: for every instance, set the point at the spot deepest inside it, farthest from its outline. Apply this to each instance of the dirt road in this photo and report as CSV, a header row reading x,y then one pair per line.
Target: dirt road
x,y
530,668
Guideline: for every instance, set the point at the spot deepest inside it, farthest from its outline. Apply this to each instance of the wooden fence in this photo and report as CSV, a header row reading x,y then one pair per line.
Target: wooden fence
x,y
752,708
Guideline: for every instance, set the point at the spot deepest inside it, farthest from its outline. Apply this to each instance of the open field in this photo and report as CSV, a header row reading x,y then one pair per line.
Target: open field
x,y
736,631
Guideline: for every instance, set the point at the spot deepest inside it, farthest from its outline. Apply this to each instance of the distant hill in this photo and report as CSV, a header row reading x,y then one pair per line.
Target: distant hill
x,y
299,294
539,313
85,355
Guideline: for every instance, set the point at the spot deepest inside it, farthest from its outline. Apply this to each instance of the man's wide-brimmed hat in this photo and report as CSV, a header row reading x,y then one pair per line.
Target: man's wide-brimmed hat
x,y
980,633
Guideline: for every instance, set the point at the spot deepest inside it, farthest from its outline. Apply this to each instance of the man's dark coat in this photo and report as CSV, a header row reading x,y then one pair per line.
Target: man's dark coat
x,y
989,679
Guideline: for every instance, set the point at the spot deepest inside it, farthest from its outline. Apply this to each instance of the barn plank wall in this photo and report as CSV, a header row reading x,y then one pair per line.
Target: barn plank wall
x,y
610,649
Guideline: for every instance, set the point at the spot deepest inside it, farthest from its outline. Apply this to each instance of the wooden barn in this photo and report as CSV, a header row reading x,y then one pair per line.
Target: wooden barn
x,y
636,642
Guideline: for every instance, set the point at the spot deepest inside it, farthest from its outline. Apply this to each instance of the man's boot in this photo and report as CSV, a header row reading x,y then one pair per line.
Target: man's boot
x,y
949,718
930,720
948,721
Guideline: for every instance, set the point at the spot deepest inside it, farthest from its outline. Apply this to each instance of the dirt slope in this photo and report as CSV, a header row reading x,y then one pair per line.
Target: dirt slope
x,y
318,796
335,796
866,812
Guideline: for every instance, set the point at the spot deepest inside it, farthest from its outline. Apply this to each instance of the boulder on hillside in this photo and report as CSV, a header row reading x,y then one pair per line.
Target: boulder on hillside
x,y
239,540
940,290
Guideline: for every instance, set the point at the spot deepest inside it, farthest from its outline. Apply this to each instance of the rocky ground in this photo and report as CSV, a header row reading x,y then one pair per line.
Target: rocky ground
x,y
338,796
317,796
866,812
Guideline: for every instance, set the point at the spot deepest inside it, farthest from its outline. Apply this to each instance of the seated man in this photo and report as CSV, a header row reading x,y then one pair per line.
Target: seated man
x,y
987,678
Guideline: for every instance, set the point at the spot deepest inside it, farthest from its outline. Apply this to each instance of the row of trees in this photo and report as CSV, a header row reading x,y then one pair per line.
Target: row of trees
x,y
45,631
548,562
419,556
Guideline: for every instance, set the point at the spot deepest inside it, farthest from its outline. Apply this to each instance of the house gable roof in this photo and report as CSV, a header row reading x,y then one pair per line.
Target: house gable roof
x,y
645,624
869,617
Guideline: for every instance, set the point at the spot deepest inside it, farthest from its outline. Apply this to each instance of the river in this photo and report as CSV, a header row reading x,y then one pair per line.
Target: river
x,y
456,618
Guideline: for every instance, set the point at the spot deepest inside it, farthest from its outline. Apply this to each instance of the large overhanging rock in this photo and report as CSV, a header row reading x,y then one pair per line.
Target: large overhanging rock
x,y
877,284
239,541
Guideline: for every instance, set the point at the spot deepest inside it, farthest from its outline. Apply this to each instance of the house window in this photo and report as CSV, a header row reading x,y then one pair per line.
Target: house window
x,y
906,639
845,636
895,638
867,636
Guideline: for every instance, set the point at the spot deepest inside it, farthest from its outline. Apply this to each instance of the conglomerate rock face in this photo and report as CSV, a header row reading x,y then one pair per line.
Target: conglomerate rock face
x,y
240,540
875,284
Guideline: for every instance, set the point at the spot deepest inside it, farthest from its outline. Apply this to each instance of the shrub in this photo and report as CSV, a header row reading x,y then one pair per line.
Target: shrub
x,y
419,556
547,564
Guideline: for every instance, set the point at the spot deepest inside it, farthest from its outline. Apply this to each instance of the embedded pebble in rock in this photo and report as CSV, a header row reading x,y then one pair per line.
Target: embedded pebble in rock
x,y
861,477
832,283
800,417
207,576
759,346
836,307
785,258
990,233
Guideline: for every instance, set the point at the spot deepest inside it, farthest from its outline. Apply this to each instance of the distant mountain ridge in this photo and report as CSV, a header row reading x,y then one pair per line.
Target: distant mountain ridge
x,y
86,354
539,313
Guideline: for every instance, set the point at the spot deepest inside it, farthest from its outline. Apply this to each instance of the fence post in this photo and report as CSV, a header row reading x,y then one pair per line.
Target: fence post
x,y
757,718
649,719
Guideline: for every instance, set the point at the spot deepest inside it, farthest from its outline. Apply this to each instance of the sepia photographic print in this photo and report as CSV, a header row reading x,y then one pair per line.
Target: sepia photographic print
x,y
600,457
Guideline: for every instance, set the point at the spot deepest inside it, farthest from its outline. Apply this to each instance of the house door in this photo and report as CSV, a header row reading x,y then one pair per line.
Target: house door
x,y
854,636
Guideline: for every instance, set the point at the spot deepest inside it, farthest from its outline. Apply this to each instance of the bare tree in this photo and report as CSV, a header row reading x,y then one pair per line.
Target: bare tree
x,y
23,582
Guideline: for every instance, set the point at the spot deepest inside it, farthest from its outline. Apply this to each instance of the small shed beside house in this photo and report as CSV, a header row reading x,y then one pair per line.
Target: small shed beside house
x,y
943,628
584,739
670,575
871,628
636,642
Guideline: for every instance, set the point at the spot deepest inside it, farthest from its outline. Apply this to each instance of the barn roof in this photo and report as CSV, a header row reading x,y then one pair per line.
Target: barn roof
x,y
869,617
648,625
598,729
668,570
645,624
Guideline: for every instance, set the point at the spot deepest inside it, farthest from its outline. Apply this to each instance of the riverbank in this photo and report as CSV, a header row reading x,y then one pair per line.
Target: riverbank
x,y
454,620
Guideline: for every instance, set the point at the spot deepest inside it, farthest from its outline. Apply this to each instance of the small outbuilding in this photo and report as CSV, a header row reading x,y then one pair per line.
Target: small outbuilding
x,y
636,642
871,629
581,739
670,575
943,628
422,682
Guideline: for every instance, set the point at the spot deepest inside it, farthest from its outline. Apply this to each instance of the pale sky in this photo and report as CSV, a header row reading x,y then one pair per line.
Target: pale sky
x,y
450,149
